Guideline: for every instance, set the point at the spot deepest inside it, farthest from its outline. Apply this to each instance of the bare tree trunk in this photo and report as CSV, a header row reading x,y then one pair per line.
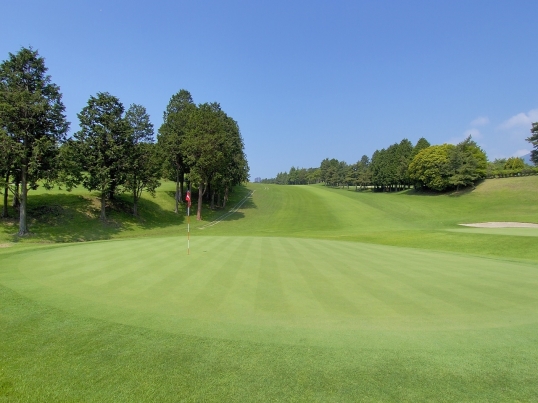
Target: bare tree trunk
x,y
218,199
103,205
200,201
212,200
135,203
181,192
208,191
6,190
4,208
23,227
177,196
225,198
16,199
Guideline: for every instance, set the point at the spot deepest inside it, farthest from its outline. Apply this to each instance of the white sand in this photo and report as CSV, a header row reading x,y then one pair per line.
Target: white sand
x,y
502,225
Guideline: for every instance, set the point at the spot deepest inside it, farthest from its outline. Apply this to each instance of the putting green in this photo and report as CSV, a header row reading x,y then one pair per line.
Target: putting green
x,y
280,290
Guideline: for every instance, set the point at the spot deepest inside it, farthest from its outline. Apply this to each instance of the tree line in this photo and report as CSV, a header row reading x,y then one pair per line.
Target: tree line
x,y
114,151
422,166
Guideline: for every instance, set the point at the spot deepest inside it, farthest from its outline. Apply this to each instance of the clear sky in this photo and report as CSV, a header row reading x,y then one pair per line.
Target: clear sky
x,y
305,80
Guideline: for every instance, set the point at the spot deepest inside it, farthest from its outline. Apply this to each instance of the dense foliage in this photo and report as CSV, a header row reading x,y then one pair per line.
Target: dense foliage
x,y
114,150
402,165
102,146
170,140
33,122
448,166
533,139
213,150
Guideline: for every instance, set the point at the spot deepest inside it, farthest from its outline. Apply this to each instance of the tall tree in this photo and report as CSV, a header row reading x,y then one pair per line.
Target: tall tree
x,y
9,151
463,166
144,166
342,171
533,139
422,143
32,113
170,139
431,167
445,166
329,171
209,145
363,168
103,145
235,168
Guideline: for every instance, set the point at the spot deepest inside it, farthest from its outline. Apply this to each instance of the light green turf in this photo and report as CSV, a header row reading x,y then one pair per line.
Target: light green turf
x,y
305,294
498,231
400,219
279,289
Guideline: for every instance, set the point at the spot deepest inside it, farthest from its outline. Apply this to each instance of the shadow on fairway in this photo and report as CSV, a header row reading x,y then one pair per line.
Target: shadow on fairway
x,y
74,218
449,193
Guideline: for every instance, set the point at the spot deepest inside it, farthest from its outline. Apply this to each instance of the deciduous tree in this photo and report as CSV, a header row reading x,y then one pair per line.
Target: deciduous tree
x,y
514,163
445,166
431,167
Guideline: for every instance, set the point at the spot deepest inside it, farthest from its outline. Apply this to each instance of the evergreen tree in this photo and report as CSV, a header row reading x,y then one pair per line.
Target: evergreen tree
x,y
10,152
103,146
533,139
32,115
404,156
211,141
170,139
364,175
144,167
422,144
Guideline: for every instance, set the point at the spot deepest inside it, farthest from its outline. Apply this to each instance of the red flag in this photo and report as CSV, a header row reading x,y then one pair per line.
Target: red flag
x,y
188,197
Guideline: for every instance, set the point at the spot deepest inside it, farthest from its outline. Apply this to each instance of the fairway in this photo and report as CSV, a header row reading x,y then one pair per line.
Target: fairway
x,y
302,294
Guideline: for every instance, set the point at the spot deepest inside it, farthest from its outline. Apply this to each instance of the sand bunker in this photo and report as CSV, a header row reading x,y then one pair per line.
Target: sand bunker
x,y
502,224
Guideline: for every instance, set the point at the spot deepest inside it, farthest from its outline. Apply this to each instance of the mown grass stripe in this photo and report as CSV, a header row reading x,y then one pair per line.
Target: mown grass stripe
x,y
219,278
191,271
270,295
320,285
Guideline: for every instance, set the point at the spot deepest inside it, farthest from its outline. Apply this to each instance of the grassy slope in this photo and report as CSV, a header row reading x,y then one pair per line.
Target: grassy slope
x,y
60,216
400,219
281,319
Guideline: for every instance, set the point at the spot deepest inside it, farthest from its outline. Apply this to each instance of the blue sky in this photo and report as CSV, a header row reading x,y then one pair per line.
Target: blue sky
x,y
305,80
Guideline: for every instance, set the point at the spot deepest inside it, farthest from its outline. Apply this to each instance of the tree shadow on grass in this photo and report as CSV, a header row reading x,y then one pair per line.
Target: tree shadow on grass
x,y
451,193
75,218
68,217
229,213
234,197
151,215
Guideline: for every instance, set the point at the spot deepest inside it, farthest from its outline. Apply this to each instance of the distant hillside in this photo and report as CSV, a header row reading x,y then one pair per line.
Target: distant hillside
x,y
527,159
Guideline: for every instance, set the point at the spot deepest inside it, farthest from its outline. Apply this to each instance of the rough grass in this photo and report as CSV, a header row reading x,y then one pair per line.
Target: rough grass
x,y
305,294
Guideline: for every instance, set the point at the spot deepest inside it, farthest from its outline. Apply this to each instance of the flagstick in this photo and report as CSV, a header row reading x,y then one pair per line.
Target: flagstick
x,y
188,199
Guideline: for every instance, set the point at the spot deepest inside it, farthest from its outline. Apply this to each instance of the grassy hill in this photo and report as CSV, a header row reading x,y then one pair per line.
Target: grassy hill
x,y
306,293
427,221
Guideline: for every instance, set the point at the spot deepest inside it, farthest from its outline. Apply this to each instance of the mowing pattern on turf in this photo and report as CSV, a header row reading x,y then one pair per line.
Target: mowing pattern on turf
x,y
279,289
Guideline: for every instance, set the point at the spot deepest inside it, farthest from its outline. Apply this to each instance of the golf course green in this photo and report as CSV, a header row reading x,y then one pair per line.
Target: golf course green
x,y
301,293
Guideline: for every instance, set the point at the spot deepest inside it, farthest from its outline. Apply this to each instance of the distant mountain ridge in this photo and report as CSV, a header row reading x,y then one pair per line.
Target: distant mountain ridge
x,y
527,159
